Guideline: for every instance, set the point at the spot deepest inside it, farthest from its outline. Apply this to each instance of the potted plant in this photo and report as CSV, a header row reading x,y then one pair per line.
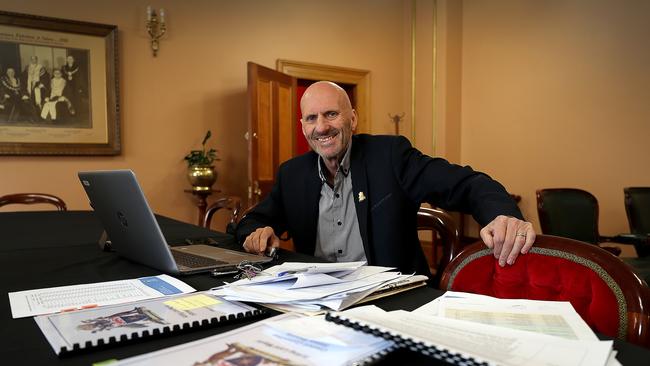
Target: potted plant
x,y
200,170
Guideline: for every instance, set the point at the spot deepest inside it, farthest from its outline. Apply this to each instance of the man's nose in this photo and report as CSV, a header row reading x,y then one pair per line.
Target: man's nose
x,y
321,123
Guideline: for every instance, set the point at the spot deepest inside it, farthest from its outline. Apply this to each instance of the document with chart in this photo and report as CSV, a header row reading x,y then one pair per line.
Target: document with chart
x,y
287,339
113,324
76,297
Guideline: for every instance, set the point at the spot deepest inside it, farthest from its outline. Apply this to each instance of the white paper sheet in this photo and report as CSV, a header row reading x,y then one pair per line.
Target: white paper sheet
x,y
317,329
557,318
319,279
291,270
76,297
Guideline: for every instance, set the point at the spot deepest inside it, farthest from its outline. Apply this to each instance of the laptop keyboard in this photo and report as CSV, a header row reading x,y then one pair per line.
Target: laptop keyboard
x,y
194,261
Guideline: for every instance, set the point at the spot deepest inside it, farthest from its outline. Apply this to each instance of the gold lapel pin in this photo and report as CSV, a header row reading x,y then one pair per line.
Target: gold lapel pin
x,y
362,197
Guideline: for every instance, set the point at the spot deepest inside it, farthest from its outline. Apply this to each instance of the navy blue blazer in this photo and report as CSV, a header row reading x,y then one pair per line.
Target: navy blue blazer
x,y
393,178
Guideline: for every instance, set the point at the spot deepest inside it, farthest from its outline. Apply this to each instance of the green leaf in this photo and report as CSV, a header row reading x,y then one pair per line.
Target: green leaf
x,y
207,136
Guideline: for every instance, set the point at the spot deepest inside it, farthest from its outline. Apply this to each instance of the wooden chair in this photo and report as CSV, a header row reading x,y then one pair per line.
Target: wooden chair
x,y
441,224
571,213
606,292
232,203
33,198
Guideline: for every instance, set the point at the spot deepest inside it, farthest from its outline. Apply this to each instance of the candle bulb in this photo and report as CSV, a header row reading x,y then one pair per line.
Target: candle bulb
x,y
149,13
162,15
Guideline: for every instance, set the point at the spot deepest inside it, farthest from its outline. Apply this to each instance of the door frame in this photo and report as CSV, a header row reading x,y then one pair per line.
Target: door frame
x,y
345,75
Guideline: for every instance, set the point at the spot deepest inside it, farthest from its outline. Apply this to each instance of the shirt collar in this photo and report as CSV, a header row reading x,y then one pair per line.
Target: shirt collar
x,y
344,165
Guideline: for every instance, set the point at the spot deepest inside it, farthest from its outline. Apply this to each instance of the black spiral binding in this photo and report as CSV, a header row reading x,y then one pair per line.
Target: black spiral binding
x,y
439,356
160,332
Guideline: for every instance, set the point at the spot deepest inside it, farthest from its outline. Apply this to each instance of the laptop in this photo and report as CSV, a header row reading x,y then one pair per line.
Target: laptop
x,y
122,208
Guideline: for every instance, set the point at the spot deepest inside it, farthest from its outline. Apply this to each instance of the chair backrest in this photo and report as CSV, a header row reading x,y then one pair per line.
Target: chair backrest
x,y
568,212
231,203
33,198
439,221
604,290
637,207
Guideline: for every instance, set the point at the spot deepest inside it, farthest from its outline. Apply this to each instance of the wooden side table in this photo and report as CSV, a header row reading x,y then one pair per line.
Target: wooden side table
x,y
202,201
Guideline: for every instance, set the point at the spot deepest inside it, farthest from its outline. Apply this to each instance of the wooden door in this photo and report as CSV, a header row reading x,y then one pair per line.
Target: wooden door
x,y
270,135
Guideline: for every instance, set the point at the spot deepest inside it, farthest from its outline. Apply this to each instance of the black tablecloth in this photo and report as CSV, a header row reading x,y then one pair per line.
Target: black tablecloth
x,y
47,249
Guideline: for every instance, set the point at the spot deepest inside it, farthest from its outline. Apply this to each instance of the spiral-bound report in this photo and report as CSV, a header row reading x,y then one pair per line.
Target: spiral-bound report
x,y
461,342
439,355
75,331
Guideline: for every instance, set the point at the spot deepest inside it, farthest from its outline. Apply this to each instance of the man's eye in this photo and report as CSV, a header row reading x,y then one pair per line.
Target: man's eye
x,y
310,118
331,115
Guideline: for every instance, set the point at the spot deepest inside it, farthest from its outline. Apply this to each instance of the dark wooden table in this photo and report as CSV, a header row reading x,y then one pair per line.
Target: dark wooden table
x,y
49,248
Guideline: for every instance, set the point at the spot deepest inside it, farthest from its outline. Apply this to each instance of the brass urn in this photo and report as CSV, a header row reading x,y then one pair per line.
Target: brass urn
x,y
201,177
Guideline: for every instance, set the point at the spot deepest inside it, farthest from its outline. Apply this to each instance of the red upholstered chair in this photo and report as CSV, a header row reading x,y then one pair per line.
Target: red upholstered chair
x,y
33,198
606,293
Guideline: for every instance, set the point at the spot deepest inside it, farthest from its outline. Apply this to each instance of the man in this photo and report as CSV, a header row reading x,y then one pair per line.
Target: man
x,y
36,78
73,80
356,197
14,103
56,98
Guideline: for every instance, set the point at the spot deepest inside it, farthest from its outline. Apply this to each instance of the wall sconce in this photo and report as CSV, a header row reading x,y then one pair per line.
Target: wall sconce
x,y
156,28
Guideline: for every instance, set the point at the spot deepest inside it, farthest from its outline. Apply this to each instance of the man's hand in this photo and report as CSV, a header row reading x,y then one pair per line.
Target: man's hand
x,y
508,236
258,241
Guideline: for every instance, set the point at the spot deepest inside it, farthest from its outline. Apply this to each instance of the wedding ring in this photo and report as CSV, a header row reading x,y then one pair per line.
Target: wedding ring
x,y
521,234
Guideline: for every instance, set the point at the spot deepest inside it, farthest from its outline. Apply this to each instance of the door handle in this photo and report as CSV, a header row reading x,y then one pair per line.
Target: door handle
x,y
257,191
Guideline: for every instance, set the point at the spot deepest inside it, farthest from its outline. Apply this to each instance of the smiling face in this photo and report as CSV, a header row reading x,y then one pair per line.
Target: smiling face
x,y
328,120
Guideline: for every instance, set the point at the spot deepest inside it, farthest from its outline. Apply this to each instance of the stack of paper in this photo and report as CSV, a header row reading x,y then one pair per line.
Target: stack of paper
x,y
501,331
310,287
485,343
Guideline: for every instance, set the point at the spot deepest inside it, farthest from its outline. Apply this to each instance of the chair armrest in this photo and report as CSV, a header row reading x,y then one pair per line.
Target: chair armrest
x,y
641,242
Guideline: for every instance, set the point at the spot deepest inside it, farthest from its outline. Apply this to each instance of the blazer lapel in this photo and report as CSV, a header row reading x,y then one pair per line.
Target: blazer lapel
x,y
360,189
310,208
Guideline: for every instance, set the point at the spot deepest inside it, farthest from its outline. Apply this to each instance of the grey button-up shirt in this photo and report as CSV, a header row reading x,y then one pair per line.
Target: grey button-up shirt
x,y
338,237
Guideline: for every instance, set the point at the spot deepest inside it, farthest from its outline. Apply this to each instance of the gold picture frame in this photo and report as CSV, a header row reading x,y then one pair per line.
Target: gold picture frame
x,y
59,90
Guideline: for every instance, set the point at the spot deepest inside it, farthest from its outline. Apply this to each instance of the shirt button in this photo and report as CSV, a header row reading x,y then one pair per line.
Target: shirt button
x,y
337,195
339,223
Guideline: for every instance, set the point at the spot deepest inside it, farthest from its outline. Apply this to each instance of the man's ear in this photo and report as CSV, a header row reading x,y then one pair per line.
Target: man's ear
x,y
302,127
353,120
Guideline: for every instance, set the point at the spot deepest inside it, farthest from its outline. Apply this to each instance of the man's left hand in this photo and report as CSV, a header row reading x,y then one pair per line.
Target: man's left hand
x,y
508,236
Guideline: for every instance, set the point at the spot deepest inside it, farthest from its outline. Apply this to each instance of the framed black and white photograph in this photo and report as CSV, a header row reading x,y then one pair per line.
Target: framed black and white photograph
x,y
58,87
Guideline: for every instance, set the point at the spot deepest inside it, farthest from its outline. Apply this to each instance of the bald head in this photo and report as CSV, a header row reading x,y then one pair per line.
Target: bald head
x,y
321,89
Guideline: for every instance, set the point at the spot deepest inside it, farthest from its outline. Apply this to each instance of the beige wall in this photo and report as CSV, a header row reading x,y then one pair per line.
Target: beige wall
x,y
555,94
198,82
536,93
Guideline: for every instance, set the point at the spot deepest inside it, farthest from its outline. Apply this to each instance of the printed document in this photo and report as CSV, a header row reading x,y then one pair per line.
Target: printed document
x,y
65,330
498,345
281,340
556,318
77,297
